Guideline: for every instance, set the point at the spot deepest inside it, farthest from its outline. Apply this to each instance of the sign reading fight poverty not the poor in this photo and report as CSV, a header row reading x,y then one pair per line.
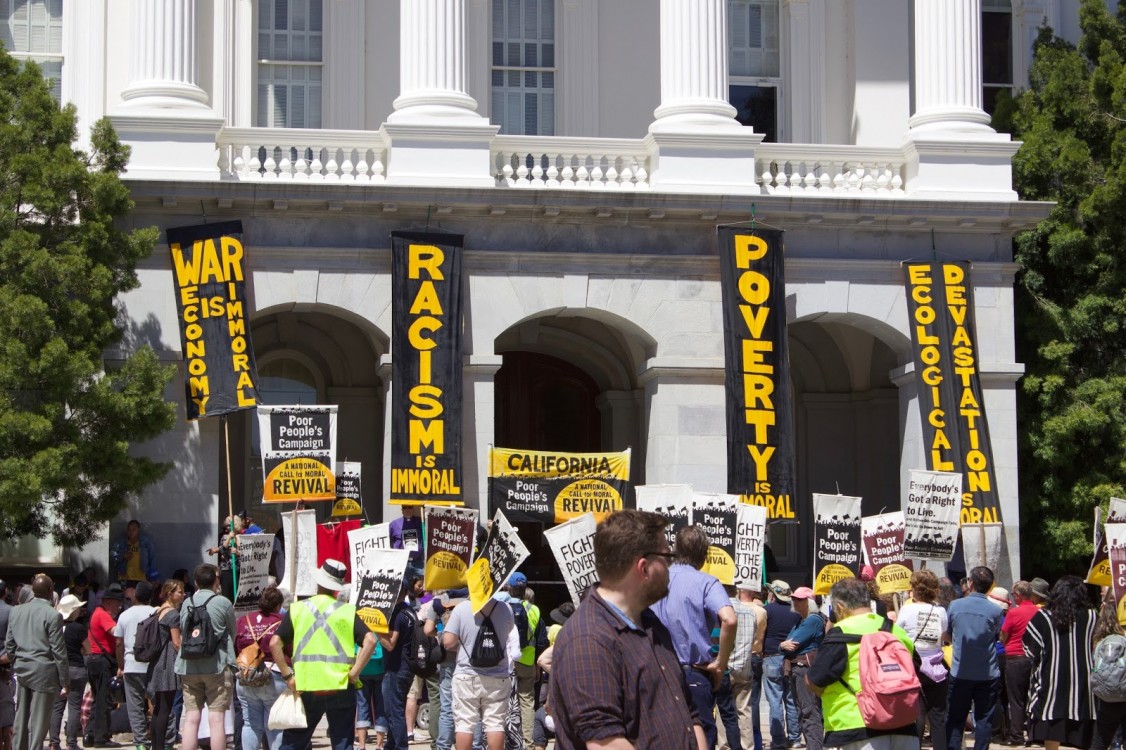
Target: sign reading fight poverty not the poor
x,y
551,487
750,538
450,534
364,543
673,501
298,452
572,543
836,539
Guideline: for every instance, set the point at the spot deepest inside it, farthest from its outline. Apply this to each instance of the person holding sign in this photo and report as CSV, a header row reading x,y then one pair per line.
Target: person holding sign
x,y
406,533
615,655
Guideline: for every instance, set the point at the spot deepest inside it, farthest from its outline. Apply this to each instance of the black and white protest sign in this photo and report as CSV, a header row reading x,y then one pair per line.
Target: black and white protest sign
x,y
932,514
981,544
253,570
716,515
501,554
376,586
298,452
836,535
1116,545
750,538
572,543
673,501
364,542
883,547
450,534
349,500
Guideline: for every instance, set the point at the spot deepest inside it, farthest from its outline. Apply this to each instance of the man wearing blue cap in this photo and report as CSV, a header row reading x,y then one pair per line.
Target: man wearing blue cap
x,y
533,641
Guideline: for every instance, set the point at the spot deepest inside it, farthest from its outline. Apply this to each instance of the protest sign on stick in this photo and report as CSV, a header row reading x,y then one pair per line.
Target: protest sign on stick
x,y
572,543
836,535
883,546
716,515
750,540
450,534
673,501
502,553
254,570
376,586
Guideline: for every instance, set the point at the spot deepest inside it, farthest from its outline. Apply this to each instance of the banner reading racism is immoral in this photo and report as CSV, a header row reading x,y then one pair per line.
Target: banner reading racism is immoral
x,y
426,377
1099,573
210,277
500,555
883,545
298,452
673,501
760,439
376,586
716,515
932,517
554,487
349,498
450,534
940,304
750,539
836,540
572,543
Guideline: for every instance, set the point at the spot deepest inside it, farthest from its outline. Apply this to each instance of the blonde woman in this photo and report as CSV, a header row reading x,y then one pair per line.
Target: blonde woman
x,y
163,680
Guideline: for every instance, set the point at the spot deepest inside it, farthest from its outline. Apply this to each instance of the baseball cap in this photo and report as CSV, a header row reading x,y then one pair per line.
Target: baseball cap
x,y
803,592
781,591
517,579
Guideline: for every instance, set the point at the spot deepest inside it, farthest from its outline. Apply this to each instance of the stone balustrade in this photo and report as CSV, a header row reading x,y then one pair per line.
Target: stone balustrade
x,y
813,169
302,155
570,163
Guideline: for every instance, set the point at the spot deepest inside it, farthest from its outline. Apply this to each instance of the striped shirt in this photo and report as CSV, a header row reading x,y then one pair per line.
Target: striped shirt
x,y
1061,667
748,638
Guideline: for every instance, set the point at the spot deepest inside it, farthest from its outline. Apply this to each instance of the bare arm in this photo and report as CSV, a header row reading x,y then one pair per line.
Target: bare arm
x,y
760,631
450,641
366,650
701,738
620,743
544,662
277,650
728,623
120,652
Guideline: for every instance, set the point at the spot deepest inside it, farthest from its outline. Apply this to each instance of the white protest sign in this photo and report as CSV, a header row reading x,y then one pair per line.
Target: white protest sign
x,y
362,542
932,514
572,543
303,544
673,501
750,538
253,570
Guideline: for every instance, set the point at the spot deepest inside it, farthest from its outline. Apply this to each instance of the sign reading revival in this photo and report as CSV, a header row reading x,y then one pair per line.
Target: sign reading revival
x,y
716,515
555,487
1099,573
883,546
298,452
349,500
209,264
450,534
376,585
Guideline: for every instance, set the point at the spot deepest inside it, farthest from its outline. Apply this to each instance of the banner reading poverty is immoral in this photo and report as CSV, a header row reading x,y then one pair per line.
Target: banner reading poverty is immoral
x,y
1116,546
1099,573
210,276
300,552
572,543
750,540
883,546
673,501
298,452
349,498
426,378
940,304
450,534
500,555
760,438
717,516
934,499
836,540
376,585
253,570
554,487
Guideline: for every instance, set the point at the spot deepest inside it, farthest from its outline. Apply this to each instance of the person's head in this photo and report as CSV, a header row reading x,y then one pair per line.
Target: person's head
x,y
1040,590
206,577
410,511
781,592
78,588
172,593
981,579
631,553
803,598
1069,595
530,595
232,523
42,587
947,592
1022,592
133,530
924,586
270,601
517,585
415,586
850,597
3,590
692,546
746,594
142,594
113,599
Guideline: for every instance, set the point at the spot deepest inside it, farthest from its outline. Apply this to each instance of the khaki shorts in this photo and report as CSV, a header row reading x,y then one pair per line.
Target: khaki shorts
x,y
212,689
416,688
480,699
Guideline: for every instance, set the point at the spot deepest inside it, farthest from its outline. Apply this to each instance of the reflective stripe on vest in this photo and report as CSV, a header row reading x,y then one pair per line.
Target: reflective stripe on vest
x,y
839,706
321,627
528,653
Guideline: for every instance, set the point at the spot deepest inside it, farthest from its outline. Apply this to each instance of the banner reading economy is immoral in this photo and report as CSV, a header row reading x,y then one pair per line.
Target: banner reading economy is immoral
x,y
376,586
940,305
760,439
883,545
934,499
1099,573
450,534
298,452
209,266
426,377
552,487
717,516
572,543
500,555
673,501
836,540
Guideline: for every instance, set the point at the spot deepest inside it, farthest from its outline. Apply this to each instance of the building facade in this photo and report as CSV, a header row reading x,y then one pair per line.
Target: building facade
x,y
586,150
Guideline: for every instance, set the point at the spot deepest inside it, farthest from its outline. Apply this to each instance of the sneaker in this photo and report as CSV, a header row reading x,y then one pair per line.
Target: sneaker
x,y
410,738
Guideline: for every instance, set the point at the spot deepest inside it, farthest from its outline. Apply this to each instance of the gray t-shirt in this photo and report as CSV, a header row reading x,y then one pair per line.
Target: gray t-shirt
x,y
465,625
126,630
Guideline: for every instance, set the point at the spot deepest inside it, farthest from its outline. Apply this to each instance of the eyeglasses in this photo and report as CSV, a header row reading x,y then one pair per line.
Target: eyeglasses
x,y
668,556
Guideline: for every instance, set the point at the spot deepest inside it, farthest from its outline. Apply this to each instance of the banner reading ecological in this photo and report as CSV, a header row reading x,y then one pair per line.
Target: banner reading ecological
x,y
1099,573
836,534
450,534
210,277
934,499
883,544
376,585
572,543
500,555
673,501
253,570
940,304
760,439
298,452
426,376
555,487
303,545
750,538
349,500
716,515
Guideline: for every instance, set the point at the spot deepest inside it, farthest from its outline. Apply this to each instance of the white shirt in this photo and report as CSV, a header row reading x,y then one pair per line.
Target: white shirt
x,y
126,630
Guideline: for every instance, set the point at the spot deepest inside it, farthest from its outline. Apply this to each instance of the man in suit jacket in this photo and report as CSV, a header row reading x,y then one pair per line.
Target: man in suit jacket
x,y
35,649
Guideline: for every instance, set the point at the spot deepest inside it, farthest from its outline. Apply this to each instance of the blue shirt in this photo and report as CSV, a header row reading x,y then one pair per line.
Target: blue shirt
x,y
690,611
808,633
974,626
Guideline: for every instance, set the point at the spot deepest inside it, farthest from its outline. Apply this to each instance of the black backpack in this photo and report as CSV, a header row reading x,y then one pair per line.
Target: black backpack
x,y
488,650
199,640
523,626
425,652
149,641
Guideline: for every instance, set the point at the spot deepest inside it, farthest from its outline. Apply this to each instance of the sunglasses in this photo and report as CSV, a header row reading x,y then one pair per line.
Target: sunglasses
x,y
669,556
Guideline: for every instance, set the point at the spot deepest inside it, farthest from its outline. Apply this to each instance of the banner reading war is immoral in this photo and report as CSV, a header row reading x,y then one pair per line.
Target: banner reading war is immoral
x,y
836,535
298,452
750,538
450,534
555,487
426,378
1099,573
500,555
673,501
349,499
940,305
210,276
932,515
760,439
572,543
376,585
717,516
883,545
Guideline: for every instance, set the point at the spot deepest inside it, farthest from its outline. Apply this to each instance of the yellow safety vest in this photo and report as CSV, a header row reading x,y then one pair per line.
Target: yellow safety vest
x,y
324,649
528,653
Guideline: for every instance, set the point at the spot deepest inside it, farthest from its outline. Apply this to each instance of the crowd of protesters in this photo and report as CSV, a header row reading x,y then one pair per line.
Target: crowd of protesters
x,y
660,654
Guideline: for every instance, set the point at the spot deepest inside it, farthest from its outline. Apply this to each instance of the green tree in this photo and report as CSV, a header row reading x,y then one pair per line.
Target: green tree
x,y
1071,293
66,421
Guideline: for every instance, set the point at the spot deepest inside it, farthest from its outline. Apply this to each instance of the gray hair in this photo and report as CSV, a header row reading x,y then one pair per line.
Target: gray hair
x,y
851,593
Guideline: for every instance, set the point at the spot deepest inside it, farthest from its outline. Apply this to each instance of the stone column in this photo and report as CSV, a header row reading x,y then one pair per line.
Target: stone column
x,y
478,430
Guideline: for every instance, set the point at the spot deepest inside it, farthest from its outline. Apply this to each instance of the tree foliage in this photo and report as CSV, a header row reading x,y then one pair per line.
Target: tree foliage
x,y
1071,294
67,421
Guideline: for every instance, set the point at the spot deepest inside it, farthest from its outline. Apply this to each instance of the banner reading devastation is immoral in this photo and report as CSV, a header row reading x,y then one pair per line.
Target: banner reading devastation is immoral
x,y
300,552
552,487
253,570
500,555
932,516
1116,546
836,540
750,539
572,543
209,265
450,534
298,452
883,546
1099,573
940,305
349,498
760,439
376,585
716,515
673,501
426,378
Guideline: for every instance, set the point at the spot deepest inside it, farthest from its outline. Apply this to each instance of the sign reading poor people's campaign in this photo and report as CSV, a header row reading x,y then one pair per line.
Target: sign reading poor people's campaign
x,y
501,554
450,534
348,495
298,452
376,586
673,501
836,540
717,516
1100,573
883,546
554,487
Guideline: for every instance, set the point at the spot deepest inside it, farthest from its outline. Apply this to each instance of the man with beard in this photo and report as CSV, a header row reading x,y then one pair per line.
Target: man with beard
x,y
615,657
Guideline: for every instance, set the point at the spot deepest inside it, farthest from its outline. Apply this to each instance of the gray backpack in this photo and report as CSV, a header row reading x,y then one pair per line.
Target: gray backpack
x,y
1108,669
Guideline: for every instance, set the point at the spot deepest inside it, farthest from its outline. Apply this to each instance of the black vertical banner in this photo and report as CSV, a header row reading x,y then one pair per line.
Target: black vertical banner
x,y
426,368
760,439
209,269
940,305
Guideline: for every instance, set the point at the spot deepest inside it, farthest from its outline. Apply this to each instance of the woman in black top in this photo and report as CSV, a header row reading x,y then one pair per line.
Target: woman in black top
x,y
75,629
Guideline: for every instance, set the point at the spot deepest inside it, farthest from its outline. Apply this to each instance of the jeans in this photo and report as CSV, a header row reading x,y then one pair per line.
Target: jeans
x,y
369,705
983,695
809,708
728,715
339,706
396,685
700,690
1018,675
256,704
784,730
71,705
441,686
137,707
100,669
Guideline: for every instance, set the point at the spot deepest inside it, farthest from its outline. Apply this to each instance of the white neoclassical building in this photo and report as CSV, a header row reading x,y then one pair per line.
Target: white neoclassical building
x,y
586,150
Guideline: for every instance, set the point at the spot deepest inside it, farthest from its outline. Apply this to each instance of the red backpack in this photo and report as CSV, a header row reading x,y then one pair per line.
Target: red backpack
x,y
889,689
